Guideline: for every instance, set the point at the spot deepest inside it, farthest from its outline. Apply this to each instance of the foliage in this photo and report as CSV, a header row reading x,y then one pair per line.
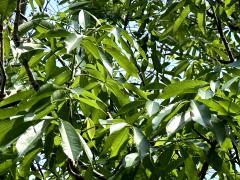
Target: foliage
x,y
116,89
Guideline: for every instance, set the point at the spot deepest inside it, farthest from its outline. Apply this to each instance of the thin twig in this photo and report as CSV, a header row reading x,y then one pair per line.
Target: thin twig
x,y
45,8
39,169
201,136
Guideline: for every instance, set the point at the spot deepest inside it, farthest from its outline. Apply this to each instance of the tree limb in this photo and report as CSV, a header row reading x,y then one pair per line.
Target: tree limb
x,y
16,40
222,36
126,20
3,73
205,166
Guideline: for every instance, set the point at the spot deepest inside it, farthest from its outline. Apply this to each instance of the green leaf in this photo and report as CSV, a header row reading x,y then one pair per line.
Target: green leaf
x,y
152,107
181,87
226,86
90,128
91,103
214,106
73,41
27,161
230,106
116,139
62,78
181,18
205,94
201,21
190,168
84,19
123,61
182,66
28,140
12,129
71,142
117,127
86,149
91,47
221,53
5,166
131,160
117,90
136,90
7,7
120,137
177,122
17,97
40,3
218,127
131,106
200,113
161,115
140,142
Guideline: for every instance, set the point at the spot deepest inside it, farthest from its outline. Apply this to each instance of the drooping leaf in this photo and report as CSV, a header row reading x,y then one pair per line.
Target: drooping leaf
x,y
12,128
131,160
86,149
226,86
116,140
91,128
119,140
218,127
91,47
84,19
152,107
178,122
205,94
141,142
73,41
200,113
201,21
71,142
160,116
28,140
181,18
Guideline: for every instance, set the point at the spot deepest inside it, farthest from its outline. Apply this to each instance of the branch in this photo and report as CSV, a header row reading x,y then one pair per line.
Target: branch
x,y
3,74
16,40
126,21
33,82
33,168
205,166
223,38
39,169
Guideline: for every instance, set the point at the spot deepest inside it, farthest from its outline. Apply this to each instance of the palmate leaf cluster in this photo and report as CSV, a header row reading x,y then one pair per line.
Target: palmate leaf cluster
x,y
129,89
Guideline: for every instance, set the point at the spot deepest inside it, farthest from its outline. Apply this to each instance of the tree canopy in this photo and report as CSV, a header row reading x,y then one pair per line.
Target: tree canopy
x,y
119,89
